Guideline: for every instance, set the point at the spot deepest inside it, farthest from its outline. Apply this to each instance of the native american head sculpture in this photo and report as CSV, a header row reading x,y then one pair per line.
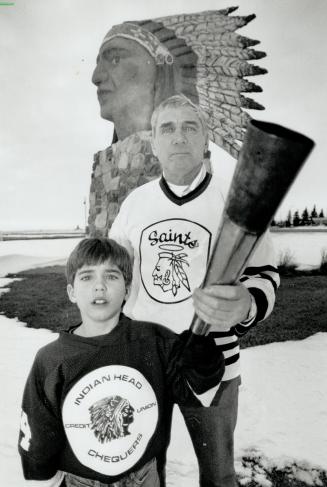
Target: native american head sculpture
x,y
142,63
201,56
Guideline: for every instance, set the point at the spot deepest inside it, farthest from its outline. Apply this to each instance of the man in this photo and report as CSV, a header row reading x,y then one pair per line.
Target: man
x,y
169,226
142,63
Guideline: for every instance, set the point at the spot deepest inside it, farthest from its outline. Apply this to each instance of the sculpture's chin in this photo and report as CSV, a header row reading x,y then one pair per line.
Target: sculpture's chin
x,y
106,113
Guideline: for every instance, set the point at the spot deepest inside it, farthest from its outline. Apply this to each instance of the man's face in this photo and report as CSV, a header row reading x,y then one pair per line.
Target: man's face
x,y
125,77
99,291
179,142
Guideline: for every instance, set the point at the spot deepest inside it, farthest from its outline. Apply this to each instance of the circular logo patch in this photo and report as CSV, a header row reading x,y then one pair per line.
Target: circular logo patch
x,y
109,417
173,257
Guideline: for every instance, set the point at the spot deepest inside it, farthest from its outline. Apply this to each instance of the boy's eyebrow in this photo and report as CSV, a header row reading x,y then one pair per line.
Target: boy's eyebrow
x,y
84,271
114,270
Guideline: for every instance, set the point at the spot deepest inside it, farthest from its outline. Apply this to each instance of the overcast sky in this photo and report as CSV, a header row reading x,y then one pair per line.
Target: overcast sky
x,y
50,125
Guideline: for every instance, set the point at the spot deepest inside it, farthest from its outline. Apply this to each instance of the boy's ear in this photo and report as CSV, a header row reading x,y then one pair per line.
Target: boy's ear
x,y
71,294
128,291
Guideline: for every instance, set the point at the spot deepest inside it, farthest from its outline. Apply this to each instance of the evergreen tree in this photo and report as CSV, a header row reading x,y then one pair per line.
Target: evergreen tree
x,y
296,219
305,217
288,221
321,214
314,213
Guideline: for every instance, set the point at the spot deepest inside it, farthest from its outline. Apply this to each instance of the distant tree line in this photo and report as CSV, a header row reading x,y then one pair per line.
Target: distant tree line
x,y
306,218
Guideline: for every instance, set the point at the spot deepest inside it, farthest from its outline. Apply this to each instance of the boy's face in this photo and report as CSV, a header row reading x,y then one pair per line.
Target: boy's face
x,y
99,291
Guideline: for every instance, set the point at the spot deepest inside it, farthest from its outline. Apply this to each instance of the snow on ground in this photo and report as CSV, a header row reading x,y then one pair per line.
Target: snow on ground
x,y
282,411
17,255
18,347
305,247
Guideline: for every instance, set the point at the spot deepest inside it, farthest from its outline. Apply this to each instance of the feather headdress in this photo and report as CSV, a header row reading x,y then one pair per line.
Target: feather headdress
x,y
209,62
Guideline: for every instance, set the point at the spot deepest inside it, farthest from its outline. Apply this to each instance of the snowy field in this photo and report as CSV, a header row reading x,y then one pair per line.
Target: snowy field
x,y
304,245
283,397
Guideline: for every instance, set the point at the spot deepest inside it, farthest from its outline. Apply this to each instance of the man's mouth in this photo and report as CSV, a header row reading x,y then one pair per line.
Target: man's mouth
x,y
179,154
99,301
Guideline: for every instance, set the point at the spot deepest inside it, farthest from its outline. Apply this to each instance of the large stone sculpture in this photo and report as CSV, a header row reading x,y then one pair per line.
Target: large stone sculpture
x,y
143,62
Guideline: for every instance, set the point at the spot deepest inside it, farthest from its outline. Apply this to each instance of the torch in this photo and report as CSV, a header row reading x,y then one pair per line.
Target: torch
x,y
269,161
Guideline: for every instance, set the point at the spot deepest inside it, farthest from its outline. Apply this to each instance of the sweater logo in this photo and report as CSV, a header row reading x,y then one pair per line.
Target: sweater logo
x,y
169,272
109,417
173,259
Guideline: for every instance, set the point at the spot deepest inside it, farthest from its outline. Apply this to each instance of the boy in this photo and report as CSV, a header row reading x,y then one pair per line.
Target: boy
x,y
98,401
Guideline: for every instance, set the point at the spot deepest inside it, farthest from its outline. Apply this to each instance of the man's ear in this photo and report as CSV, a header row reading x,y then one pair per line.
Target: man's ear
x,y
153,145
206,145
71,294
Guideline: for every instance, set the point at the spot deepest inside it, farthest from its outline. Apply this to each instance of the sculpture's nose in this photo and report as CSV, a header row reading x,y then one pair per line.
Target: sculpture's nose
x,y
99,73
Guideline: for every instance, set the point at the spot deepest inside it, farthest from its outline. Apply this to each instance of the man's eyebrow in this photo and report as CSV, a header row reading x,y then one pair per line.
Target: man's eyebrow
x,y
166,124
192,122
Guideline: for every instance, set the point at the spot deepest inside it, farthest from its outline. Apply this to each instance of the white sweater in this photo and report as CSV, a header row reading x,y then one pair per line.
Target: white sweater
x,y
170,239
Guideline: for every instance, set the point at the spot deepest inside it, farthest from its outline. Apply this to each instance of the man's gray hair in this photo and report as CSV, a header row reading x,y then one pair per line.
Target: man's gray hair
x,y
177,101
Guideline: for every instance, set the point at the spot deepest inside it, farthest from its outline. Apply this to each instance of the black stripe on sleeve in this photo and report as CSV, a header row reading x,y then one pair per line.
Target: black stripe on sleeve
x,y
251,271
240,329
262,276
270,279
244,278
232,359
221,334
226,346
261,302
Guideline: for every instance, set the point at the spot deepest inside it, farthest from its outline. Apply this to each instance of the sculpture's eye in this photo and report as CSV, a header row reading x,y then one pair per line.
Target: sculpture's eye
x,y
115,60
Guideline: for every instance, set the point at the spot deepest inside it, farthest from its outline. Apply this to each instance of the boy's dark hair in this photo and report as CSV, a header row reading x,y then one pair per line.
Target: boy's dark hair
x,y
92,251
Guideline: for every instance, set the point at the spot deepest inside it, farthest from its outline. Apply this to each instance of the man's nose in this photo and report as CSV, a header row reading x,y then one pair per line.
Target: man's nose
x,y
179,137
99,74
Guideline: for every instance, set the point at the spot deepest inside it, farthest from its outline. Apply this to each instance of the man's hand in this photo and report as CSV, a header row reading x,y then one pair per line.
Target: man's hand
x,y
222,306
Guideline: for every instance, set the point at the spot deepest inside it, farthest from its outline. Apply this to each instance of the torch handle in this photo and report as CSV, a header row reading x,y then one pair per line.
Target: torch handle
x,y
228,260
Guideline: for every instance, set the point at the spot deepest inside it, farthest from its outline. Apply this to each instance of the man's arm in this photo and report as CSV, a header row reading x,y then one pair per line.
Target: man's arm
x,y
246,303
